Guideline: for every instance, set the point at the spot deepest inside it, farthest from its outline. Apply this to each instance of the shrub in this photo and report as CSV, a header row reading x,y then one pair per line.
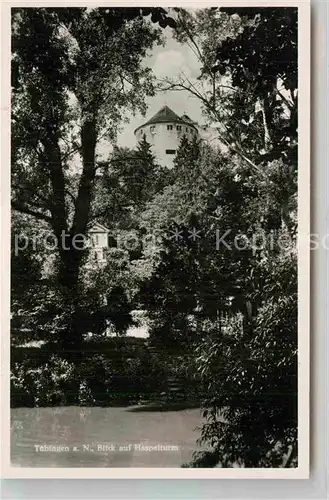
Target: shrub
x,y
125,374
45,385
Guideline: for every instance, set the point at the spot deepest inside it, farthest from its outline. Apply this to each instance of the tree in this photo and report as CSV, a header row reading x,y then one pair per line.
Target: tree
x,y
275,82
250,409
75,72
250,95
130,179
251,413
193,280
232,305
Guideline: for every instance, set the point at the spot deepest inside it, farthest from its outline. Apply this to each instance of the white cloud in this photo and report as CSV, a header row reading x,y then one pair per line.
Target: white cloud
x,y
169,64
168,61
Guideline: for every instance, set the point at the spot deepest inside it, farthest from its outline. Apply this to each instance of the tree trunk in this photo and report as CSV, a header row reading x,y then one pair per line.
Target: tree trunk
x,y
83,202
267,137
71,257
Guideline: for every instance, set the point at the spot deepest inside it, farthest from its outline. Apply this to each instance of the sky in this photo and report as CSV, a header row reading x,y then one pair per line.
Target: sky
x,y
167,61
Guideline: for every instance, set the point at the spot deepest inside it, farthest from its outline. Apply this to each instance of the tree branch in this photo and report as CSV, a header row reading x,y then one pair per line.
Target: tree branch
x,y
289,104
25,210
192,89
196,50
291,456
53,161
71,196
31,190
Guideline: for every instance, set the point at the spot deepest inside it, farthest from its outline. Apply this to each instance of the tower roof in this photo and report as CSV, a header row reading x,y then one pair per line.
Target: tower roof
x,y
186,118
166,115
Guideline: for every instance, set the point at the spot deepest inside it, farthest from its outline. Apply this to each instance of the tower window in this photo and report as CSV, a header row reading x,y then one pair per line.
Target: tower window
x,y
179,127
169,127
170,151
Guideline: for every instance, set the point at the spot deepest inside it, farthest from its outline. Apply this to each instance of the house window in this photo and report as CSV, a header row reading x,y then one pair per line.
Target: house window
x,y
95,256
152,129
169,127
95,240
179,128
186,129
104,253
170,151
111,241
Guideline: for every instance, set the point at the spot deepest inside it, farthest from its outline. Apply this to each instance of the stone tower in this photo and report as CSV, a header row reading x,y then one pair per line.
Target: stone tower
x,y
164,132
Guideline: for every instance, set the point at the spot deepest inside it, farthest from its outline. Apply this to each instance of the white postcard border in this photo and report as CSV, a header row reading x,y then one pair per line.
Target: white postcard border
x,y
302,471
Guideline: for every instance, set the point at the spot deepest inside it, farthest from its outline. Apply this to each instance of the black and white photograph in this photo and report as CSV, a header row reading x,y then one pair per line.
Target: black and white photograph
x,y
156,216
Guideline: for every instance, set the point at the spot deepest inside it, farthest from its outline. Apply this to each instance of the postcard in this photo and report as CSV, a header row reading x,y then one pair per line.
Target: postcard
x,y
156,211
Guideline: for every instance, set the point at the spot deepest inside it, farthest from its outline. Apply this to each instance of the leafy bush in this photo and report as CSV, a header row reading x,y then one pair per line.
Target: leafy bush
x,y
250,410
45,385
126,374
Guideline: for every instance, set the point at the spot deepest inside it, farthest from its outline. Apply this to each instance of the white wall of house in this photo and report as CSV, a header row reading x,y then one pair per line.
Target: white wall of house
x,y
98,239
98,244
165,139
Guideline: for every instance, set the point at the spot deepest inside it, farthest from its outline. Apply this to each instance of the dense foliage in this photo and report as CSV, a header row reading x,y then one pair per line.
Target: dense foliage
x,y
75,73
206,249
234,303
113,372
